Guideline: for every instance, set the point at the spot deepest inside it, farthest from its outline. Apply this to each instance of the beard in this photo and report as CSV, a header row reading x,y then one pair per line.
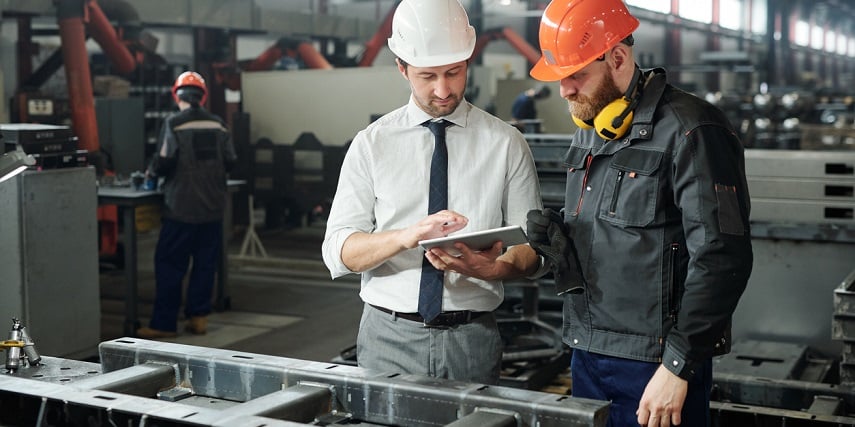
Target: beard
x,y
586,108
437,110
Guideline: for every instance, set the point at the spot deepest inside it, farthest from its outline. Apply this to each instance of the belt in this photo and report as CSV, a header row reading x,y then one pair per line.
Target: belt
x,y
446,318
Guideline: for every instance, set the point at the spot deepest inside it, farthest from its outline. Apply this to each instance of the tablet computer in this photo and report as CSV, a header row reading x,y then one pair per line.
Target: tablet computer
x,y
478,240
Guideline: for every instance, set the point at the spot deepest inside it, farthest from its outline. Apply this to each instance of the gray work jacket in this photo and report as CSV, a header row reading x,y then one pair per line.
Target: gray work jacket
x,y
194,154
660,220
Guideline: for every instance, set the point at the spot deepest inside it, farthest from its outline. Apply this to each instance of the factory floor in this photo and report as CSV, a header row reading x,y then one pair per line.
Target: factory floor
x,y
284,304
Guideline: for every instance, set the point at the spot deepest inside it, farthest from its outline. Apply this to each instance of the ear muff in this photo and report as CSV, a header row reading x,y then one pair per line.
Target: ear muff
x,y
614,120
582,124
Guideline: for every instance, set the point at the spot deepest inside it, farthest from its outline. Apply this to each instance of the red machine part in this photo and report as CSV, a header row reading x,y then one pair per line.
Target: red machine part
x,y
516,41
74,18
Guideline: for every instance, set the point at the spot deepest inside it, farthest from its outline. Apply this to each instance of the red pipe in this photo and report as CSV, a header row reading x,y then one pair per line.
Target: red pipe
x,y
378,41
312,57
77,74
266,60
516,41
103,32
522,46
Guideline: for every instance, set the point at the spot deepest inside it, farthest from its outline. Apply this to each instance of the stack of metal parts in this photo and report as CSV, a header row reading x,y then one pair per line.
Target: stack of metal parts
x,y
801,186
778,384
52,146
141,382
843,327
549,151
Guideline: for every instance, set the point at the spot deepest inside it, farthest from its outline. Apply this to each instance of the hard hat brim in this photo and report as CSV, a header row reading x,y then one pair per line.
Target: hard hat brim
x,y
551,73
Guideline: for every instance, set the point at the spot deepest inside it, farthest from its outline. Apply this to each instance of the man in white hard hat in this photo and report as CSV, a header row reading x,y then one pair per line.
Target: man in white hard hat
x,y
383,207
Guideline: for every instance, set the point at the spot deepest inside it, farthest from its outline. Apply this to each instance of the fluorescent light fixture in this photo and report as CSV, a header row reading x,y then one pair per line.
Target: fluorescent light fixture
x,y
13,163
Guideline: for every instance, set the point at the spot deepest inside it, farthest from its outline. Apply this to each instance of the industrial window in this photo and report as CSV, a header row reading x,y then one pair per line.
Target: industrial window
x,y
696,10
758,16
661,6
802,33
816,40
842,44
731,14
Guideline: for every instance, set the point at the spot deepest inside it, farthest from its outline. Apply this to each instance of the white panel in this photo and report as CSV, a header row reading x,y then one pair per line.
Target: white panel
x,y
333,104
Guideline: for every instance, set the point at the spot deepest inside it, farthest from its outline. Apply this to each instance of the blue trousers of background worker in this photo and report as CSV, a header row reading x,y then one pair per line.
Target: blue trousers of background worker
x,y
179,242
622,382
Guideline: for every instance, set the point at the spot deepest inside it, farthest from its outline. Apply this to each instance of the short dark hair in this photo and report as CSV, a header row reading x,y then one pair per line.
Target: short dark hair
x,y
629,40
190,94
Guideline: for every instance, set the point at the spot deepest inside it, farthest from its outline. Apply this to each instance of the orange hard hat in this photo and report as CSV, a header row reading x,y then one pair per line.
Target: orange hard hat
x,y
193,79
573,33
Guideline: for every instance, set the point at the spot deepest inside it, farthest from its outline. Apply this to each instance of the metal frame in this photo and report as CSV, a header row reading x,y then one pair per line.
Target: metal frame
x,y
205,386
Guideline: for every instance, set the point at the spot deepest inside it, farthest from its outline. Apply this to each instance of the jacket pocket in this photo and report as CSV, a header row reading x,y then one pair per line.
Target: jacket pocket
x,y
631,188
576,161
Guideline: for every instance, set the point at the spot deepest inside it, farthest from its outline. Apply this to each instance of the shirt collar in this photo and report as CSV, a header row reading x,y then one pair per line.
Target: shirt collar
x,y
416,116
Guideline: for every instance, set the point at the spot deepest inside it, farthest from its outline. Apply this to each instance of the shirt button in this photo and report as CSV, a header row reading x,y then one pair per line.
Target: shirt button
x,y
588,188
675,363
575,341
643,132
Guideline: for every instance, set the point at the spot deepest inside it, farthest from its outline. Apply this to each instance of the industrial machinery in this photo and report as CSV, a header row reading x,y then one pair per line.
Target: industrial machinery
x,y
141,382
20,348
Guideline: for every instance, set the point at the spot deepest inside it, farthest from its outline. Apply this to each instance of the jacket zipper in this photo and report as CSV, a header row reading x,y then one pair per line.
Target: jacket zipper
x,y
584,183
613,206
675,247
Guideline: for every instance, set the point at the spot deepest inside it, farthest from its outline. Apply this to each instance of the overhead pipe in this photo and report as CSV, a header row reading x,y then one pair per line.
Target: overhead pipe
x,y
516,41
103,32
378,40
285,46
71,15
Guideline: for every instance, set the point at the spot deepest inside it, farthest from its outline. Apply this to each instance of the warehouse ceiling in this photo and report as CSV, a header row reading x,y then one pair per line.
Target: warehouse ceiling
x,y
344,19
359,19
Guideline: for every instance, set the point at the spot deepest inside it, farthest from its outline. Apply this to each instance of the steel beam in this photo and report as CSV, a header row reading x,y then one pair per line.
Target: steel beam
x,y
370,396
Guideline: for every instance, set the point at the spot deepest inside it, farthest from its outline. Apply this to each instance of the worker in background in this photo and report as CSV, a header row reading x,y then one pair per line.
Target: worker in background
x,y
381,210
523,107
194,153
652,249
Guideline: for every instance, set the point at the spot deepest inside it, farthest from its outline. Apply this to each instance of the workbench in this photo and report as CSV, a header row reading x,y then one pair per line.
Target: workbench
x,y
127,199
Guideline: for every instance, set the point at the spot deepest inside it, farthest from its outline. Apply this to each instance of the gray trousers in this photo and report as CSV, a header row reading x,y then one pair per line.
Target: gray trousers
x,y
470,352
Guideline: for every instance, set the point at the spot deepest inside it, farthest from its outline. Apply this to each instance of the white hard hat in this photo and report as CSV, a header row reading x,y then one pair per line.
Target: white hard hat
x,y
431,33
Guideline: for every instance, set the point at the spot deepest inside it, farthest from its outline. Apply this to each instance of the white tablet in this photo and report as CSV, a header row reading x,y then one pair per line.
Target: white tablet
x,y
478,240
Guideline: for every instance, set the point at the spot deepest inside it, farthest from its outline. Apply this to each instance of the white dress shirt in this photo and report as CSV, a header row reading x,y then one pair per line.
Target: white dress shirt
x,y
383,185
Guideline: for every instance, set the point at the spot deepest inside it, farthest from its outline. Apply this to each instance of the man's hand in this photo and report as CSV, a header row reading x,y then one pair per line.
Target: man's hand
x,y
439,224
549,237
481,264
663,399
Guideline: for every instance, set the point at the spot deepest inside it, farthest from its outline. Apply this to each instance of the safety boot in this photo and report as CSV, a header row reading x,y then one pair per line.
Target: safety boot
x,y
153,334
197,325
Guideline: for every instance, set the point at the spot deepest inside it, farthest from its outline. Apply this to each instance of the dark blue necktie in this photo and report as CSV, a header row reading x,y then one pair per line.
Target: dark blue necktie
x,y
430,289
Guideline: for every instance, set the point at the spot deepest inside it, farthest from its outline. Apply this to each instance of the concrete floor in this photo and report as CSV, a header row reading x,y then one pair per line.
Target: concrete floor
x,y
284,305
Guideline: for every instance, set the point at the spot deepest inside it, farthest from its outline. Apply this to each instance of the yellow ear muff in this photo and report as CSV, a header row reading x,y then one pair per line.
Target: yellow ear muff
x,y
582,124
614,120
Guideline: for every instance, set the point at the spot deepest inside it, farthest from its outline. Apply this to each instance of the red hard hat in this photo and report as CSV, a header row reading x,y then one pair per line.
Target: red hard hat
x,y
190,78
573,33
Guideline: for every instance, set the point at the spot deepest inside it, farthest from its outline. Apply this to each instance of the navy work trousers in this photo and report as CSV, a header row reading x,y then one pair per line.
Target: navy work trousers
x,y
622,382
179,242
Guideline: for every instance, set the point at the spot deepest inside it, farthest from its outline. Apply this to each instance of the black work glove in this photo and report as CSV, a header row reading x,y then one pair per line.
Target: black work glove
x,y
549,237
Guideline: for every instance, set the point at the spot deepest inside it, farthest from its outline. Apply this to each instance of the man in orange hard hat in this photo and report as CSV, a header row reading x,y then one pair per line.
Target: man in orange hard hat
x,y
652,250
194,153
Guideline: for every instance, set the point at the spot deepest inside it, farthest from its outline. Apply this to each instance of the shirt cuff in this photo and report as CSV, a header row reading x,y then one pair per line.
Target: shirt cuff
x,y
542,268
